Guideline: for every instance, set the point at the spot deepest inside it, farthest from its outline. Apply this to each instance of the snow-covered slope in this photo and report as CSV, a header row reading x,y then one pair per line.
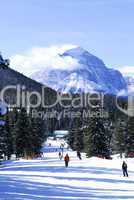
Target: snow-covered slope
x,y
48,179
91,74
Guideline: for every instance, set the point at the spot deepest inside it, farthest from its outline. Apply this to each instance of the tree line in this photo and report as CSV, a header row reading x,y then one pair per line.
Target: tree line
x,y
103,137
21,135
24,135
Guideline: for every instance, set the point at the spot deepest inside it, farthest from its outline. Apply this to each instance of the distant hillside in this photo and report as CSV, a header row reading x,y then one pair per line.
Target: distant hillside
x,y
9,77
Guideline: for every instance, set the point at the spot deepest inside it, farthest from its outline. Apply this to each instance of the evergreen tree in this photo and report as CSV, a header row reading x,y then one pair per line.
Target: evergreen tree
x,y
8,138
38,134
120,137
96,140
75,136
23,136
130,137
29,135
70,138
6,146
2,141
78,143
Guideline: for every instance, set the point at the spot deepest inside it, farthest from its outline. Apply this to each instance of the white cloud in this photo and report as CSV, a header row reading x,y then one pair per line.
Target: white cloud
x,y
39,58
127,70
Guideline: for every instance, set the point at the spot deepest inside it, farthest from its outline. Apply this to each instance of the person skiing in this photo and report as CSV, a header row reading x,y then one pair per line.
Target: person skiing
x,y
124,169
79,155
66,159
60,155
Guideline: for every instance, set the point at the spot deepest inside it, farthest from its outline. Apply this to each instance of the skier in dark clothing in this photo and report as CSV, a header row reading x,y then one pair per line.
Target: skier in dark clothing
x,y
66,159
79,155
124,169
60,155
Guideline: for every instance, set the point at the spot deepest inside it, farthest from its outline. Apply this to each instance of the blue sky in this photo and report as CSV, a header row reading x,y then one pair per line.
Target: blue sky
x,y
104,27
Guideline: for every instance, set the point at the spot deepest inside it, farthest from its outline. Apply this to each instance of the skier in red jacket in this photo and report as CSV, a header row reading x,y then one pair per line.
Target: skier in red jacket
x,y
66,159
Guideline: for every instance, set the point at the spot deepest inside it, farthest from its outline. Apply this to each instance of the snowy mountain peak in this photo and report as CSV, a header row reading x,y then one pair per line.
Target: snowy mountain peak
x,y
89,74
84,57
75,52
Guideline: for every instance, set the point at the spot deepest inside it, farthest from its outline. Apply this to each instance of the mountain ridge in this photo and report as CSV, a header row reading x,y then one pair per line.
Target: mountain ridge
x,y
90,75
